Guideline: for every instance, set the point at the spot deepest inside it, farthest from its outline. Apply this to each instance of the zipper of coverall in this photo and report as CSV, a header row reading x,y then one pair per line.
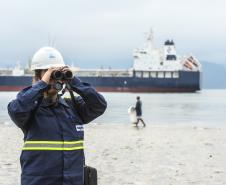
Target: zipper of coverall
x,y
62,139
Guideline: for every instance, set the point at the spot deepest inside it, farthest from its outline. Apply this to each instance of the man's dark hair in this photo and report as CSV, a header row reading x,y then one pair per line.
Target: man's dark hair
x,y
38,74
138,97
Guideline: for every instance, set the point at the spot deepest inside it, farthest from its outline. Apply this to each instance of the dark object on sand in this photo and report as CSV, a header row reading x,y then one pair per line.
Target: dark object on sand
x,y
90,176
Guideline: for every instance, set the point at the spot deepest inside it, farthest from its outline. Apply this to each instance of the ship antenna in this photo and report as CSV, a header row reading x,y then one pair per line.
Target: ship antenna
x,y
150,39
54,42
150,36
51,42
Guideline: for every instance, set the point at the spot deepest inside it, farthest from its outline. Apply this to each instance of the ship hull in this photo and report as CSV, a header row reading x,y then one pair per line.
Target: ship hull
x,y
186,82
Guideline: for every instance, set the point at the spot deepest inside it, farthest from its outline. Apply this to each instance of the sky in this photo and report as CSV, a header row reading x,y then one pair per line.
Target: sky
x,y
104,33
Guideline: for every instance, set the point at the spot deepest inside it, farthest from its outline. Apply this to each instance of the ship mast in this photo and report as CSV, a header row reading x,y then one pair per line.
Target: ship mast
x,y
150,40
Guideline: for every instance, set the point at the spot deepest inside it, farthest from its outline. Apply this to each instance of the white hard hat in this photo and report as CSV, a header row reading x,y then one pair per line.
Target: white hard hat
x,y
47,57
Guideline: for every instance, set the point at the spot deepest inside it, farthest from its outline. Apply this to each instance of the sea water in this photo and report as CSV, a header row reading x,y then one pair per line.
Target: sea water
x,y
204,108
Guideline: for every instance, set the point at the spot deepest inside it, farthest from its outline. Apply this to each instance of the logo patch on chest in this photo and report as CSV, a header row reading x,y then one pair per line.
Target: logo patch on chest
x,y
79,128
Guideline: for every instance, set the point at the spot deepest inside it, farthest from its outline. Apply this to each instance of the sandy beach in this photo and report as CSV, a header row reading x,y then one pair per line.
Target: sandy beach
x,y
125,155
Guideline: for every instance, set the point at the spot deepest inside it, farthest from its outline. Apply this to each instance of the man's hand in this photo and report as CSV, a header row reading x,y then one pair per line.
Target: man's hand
x,y
46,77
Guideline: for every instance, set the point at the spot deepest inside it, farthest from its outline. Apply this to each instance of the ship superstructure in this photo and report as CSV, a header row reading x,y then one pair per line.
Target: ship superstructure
x,y
151,58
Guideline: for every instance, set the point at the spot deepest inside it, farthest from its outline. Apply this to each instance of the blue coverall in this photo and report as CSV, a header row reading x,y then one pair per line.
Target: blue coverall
x,y
53,133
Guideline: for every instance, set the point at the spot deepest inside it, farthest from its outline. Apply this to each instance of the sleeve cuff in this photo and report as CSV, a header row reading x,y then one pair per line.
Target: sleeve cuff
x,y
40,85
75,82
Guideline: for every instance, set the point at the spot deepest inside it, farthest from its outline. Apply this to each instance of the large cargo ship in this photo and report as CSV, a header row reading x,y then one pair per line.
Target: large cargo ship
x,y
154,70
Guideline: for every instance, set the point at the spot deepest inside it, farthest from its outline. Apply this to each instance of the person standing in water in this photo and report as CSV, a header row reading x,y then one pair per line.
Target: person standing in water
x,y
139,111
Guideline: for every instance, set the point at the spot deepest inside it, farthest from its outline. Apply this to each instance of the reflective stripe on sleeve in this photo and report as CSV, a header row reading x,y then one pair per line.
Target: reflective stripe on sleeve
x,y
53,145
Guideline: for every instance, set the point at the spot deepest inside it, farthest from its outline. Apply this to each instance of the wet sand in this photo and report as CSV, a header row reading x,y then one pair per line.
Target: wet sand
x,y
125,155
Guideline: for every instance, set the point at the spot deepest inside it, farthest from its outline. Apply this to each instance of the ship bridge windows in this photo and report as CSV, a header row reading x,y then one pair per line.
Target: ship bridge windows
x,y
142,74
138,74
145,74
160,74
143,52
168,74
175,74
153,74
171,57
156,74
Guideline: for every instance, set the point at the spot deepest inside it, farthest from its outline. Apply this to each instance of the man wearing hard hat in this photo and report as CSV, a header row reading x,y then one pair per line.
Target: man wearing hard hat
x,y
53,128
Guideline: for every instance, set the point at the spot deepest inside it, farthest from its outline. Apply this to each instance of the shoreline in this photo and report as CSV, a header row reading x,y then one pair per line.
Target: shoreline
x,y
123,154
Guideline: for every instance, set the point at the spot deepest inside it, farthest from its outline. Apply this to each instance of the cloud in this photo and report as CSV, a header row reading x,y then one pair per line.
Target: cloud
x,y
105,32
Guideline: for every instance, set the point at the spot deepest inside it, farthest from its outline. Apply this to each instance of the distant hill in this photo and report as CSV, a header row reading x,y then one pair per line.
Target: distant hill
x,y
214,76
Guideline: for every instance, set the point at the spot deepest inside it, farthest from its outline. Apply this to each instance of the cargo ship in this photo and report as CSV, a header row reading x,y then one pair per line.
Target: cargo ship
x,y
154,70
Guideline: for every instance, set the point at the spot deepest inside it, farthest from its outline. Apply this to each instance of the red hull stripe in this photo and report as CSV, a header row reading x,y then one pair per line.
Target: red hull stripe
x,y
11,88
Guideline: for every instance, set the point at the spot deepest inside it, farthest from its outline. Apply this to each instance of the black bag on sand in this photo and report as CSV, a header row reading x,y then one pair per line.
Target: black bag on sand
x,y
90,176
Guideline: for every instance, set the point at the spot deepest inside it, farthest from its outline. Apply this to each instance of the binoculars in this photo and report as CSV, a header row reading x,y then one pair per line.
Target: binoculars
x,y
60,75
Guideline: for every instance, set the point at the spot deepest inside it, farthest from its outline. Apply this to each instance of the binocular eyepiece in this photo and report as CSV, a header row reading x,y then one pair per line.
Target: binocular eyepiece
x,y
60,75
